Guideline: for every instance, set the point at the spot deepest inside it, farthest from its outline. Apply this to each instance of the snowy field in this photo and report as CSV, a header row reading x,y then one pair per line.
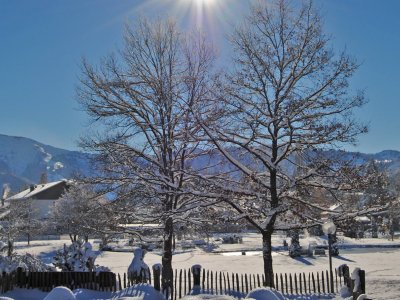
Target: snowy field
x,y
381,264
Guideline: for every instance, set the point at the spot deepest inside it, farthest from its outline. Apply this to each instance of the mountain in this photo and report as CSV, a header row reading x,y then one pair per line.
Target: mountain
x,y
23,161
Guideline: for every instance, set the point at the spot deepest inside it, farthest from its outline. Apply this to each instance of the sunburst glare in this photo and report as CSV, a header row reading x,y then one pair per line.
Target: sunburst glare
x,y
215,18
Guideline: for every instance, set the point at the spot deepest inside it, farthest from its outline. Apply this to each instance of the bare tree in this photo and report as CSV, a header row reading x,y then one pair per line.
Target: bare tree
x,y
144,97
287,101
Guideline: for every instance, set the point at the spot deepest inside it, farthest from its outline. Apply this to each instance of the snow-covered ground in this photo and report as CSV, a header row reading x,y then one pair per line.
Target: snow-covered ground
x,y
381,264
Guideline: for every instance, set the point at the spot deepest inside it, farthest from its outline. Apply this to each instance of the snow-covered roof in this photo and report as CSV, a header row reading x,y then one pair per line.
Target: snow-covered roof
x,y
364,219
29,192
336,207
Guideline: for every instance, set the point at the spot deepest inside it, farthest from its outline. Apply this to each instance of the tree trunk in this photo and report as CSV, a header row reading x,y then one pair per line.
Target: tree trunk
x,y
167,271
10,249
267,257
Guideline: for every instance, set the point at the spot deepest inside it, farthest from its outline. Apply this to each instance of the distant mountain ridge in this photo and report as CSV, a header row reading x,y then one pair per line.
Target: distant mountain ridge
x,y
24,160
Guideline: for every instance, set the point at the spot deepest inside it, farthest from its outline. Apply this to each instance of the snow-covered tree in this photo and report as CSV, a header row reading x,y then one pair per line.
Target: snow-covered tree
x,y
27,262
286,102
19,219
77,257
81,213
144,98
294,247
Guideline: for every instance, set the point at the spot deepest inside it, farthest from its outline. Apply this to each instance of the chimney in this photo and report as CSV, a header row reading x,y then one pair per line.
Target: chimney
x,y
6,191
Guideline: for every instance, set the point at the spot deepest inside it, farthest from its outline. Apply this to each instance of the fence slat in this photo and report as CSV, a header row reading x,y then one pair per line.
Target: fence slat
x,y
203,280
300,284
216,282
328,282
336,275
189,282
286,283
180,284
247,284
212,283
313,282
176,282
223,274
229,284
184,282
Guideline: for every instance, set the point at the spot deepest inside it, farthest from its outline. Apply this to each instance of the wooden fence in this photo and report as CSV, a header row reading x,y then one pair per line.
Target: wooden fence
x,y
185,280
46,281
238,285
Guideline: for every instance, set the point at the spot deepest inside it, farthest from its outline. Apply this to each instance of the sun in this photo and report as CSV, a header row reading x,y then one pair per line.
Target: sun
x,y
204,2
210,16
202,12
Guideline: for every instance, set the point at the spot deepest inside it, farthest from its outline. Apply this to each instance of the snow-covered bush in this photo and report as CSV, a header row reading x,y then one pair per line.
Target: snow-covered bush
x,y
208,297
138,270
294,248
59,293
27,262
232,239
78,256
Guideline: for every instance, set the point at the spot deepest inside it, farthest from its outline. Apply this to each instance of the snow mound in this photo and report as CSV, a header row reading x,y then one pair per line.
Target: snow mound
x,y
208,297
345,292
141,291
60,292
6,298
265,293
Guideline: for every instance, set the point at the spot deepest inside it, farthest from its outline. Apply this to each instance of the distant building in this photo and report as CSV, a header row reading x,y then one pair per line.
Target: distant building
x,y
44,196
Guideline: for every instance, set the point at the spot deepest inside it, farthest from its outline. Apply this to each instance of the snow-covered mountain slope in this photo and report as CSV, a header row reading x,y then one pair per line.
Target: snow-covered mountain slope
x,y
23,161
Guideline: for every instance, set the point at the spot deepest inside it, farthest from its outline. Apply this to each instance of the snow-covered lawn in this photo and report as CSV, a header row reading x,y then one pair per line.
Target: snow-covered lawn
x,y
381,264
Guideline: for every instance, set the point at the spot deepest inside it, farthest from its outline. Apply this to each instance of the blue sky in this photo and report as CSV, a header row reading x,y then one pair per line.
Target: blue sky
x,y
42,42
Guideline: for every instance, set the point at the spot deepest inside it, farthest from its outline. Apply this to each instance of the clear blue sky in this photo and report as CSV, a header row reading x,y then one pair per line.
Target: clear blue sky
x,y
42,42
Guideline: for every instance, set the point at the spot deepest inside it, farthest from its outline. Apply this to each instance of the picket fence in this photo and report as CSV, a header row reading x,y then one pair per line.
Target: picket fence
x,y
206,281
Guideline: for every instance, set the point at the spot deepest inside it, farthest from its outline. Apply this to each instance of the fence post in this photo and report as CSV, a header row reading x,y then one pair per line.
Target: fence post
x,y
362,281
157,276
20,277
358,282
345,273
196,271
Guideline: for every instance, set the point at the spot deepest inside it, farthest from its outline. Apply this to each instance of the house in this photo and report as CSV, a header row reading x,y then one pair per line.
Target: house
x,y
44,196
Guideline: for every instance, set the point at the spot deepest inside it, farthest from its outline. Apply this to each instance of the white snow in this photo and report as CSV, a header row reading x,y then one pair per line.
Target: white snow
x,y
141,291
60,292
47,156
265,293
58,165
380,264
356,277
38,188
208,297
